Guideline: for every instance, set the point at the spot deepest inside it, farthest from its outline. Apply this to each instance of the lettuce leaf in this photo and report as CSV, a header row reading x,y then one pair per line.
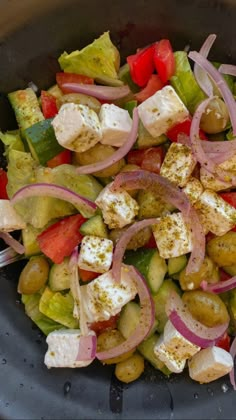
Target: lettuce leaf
x,y
12,141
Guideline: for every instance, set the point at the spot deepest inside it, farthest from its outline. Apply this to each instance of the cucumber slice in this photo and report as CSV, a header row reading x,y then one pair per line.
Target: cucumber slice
x,y
94,226
146,348
176,264
129,320
150,264
26,107
29,239
59,276
160,300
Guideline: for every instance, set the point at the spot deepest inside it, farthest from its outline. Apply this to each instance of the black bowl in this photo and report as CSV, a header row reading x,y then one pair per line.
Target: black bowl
x,y
32,35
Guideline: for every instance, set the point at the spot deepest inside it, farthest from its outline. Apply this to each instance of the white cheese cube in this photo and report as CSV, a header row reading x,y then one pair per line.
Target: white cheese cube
x,y
171,360
177,344
215,214
9,219
210,364
116,125
172,236
95,254
193,189
105,297
178,164
63,348
118,207
77,127
211,182
162,111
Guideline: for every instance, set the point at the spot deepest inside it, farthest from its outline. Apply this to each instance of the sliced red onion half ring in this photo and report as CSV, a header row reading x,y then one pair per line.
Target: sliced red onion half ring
x,y
200,74
87,347
13,243
190,328
100,92
220,287
119,154
86,207
227,69
146,319
173,195
233,354
220,82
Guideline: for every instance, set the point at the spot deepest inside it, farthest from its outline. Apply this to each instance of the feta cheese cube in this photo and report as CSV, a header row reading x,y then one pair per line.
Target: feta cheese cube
x,y
177,344
178,164
171,360
116,125
193,189
172,236
63,348
210,364
162,111
105,297
211,182
95,254
118,207
9,219
77,127
215,214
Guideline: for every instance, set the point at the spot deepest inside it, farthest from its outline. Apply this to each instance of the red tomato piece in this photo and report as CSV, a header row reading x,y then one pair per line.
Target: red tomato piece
x,y
101,326
3,185
63,78
223,275
49,105
164,60
148,159
60,159
86,275
224,342
230,197
141,65
183,128
151,243
153,85
59,240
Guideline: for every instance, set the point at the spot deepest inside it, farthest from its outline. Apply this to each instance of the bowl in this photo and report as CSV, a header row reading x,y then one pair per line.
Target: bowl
x,y
32,35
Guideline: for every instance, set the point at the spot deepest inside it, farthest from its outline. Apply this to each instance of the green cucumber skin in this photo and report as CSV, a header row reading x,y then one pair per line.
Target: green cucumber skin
x,y
26,107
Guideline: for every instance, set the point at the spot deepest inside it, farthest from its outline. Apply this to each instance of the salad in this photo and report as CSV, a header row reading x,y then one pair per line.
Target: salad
x,y
120,190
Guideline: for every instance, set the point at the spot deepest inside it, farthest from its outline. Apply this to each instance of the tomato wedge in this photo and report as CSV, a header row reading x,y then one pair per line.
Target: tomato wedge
x,y
63,78
86,275
3,185
60,159
141,65
59,240
224,342
101,326
49,105
153,85
164,60
148,159
183,128
151,243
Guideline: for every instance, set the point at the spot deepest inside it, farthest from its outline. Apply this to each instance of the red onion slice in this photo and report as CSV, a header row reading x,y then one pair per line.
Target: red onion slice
x,y
220,83
123,242
233,354
201,76
87,347
173,195
146,319
220,287
119,154
85,206
101,92
190,328
227,69
13,243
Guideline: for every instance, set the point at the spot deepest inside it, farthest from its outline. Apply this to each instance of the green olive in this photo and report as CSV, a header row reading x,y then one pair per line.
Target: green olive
x,y
96,154
151,205
109,339
208,271
138,240
130,369
222,249
216,117
207,308
33,276
79,98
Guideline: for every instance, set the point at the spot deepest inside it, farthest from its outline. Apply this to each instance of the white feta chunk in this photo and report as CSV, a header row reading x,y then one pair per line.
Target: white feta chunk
x,y
193,189
171,360
77,127
211,182
215,214
63,349
95,254
210,364
9,219
162,111
116,125
105,297
177,344
173,237
118,207
178,164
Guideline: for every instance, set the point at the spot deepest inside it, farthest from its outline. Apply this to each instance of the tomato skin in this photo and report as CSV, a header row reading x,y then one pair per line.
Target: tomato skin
x,y
230,198
49,105
153,85
59,240
64,157
164,60
182,128
224,342
148,159
141,65
3,185
86,275
151,244
101,326
63,78
223,275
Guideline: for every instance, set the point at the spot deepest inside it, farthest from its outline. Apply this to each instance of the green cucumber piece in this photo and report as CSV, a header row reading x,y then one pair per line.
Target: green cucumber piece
x,y
146,348
160,300
26,107
150,264
124,76
42,141
129,320
129,106
145,139
94,226
59,276
29,239
176,264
